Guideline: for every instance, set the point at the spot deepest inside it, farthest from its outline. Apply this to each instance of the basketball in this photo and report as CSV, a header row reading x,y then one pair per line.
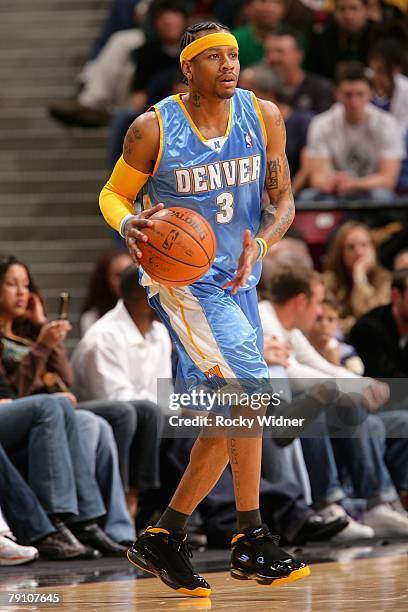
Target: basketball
x,y
181,247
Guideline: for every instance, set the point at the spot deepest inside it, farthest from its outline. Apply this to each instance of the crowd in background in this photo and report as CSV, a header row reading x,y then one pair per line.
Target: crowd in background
x,y
84,458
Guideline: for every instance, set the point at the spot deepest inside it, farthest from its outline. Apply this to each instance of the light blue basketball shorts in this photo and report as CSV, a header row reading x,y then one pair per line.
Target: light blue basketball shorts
x,y
217,335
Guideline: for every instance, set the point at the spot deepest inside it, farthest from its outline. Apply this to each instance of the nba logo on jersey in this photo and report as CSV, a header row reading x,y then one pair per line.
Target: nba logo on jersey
x,y
248,139
214,375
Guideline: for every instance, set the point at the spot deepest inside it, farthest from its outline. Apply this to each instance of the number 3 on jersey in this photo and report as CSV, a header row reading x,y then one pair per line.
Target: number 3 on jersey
x,y
225,202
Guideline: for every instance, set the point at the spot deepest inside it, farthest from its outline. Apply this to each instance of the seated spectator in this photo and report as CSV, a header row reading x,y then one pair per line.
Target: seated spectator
x,y
122,15
347,37
266,86
386,61
105,84
33,360
303,91
390,86
263,17
354,150
353,275
170,20
400,260
121,357
28,519
104,360
46,430
295,300
103,287
12,553
322,337
380,336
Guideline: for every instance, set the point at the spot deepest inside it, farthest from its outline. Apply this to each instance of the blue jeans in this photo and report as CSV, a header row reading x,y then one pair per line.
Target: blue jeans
x,y
100,454
362,456
395,447
136,427
45,429
21,508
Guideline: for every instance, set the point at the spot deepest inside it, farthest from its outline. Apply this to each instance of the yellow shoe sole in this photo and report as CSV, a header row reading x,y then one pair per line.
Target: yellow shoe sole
x,y
296,575
197,592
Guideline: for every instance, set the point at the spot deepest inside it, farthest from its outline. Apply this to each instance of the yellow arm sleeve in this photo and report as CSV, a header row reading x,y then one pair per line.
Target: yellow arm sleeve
x,y
117,196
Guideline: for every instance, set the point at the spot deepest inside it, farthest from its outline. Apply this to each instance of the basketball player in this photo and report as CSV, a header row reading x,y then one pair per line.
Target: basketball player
x,y
212,150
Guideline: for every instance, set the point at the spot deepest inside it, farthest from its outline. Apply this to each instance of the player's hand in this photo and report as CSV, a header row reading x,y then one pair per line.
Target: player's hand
x,y
375,395
133,233
53,333
248,257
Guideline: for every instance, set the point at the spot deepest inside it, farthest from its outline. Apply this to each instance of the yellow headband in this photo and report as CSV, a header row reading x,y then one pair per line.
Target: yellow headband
x,y
221,39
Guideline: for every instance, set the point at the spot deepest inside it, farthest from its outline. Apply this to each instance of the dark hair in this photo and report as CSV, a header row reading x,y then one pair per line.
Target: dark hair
x,y
286,282
390,51
21,326
287,31
130,289
399,280
100,296
192,32
352,71
161,6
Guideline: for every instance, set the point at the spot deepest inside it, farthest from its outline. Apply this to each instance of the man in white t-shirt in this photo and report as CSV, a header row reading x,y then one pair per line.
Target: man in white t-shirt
x,y
354,149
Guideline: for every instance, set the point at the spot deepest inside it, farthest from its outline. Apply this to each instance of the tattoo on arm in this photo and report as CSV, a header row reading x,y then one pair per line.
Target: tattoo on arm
x,y
278,186
133,134
277,181
272,174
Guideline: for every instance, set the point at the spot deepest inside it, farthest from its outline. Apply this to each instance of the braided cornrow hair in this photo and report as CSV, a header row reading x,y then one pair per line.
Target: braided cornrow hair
x,y
192,32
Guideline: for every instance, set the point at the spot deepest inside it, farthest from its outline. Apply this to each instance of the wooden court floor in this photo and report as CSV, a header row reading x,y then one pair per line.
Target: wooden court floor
x,y
375,584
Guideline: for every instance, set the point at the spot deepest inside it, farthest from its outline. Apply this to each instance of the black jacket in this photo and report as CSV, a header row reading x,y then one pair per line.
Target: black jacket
x,y
376,339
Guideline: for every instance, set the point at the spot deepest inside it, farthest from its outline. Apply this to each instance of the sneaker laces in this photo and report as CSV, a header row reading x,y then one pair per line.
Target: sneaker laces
x,y
181,546
265,535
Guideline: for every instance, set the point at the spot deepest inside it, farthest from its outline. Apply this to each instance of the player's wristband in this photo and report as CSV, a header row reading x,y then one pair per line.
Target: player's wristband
x,y
263,248
123,224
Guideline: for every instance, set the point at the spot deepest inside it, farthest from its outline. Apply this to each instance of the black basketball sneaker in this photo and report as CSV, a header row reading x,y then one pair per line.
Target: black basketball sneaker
x,y
257,556
167,556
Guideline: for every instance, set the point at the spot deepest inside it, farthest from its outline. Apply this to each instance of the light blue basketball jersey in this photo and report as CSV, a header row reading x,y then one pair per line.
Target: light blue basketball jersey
x,y
224,185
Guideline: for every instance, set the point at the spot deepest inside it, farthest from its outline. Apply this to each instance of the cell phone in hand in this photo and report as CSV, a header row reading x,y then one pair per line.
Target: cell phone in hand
x,y
63,305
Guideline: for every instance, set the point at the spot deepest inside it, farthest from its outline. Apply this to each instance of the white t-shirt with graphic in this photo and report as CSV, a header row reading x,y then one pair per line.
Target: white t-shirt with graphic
x,y
355,148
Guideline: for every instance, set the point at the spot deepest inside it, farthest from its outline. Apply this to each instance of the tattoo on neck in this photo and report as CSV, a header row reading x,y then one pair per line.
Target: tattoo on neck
x,y
196,99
